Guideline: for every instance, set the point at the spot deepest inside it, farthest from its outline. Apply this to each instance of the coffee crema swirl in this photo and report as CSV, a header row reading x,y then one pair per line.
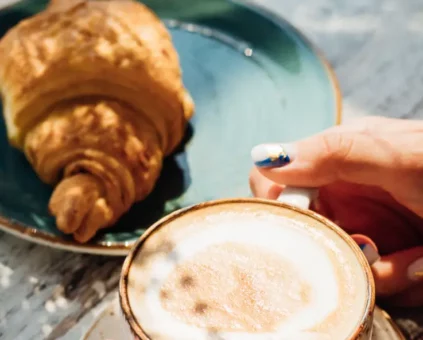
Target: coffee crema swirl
x,y
246,272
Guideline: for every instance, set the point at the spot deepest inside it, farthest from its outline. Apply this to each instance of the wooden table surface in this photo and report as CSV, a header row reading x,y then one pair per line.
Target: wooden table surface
x,y
376,48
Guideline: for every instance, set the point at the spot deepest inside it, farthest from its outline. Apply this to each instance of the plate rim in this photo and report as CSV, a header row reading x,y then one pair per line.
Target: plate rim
x,y
393,324
116,248
9,4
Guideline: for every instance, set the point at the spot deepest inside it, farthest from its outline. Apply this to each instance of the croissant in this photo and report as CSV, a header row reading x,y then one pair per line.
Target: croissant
x,y
93,95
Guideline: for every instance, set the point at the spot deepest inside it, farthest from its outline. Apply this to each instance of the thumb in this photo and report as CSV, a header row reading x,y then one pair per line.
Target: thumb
x,y
336,154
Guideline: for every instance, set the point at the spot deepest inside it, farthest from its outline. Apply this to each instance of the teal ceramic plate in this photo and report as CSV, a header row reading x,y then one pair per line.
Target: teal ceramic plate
x,y
254,79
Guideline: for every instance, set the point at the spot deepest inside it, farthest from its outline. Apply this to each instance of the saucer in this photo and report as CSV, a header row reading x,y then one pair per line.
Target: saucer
x,y
110,325
254,79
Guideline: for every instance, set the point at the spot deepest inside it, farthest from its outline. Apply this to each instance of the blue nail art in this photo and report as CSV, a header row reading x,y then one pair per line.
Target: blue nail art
x,y
276,157
370,253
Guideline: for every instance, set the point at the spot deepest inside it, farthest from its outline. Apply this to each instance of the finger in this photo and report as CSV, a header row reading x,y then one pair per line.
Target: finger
x,y
412,297
398,272
325,158
263,187
368,247
367,153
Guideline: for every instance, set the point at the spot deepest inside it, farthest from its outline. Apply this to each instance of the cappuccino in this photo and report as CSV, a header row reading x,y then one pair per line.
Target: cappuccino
x,y
245,271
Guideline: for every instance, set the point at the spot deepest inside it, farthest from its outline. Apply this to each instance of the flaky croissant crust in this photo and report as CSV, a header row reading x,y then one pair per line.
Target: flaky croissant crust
x,y
107,156
92,93
118,49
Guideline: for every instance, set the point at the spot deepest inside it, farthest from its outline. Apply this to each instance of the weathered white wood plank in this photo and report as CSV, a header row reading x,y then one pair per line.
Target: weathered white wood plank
x,y
44,292
375,47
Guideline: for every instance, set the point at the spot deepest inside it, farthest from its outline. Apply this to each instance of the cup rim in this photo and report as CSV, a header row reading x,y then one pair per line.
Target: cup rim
x,y
136,328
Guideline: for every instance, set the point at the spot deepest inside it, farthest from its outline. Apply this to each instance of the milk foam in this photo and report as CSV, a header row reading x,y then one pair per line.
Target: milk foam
x,y
305,248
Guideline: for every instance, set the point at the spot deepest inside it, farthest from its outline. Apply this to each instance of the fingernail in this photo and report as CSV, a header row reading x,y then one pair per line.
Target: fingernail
x,y
415,270
370,253
273,155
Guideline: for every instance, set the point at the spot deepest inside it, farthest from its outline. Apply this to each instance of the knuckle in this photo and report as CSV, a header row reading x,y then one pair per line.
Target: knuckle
x,y
337,146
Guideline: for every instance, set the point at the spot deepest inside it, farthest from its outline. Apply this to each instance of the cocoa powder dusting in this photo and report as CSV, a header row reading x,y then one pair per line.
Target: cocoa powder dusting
x,y
235,287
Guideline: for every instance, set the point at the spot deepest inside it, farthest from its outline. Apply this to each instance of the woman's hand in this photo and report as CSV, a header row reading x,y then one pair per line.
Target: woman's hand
x,y
370,175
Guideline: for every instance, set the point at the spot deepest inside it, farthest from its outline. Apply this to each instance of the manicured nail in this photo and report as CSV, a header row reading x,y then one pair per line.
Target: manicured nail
x,y
370,253
415,270
273,155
